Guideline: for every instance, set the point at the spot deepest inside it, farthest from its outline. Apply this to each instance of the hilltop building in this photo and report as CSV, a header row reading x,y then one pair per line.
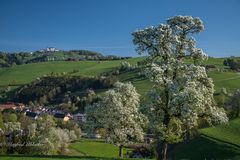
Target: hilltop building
x,y
50,49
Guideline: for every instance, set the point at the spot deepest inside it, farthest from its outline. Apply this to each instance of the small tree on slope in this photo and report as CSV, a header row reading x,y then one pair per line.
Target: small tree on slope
x,y
182,93
118,113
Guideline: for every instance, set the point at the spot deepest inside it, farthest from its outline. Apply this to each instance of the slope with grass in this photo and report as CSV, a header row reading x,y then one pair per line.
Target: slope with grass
x,y
19,75
229,133
229,80
96,148
220,142
23,74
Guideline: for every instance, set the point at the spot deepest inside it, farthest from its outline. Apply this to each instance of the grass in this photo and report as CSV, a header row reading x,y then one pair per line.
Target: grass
x,y
205,148
83,149
20,75
229,133
229,80
23,74
220,142
20,157
142,84
96,148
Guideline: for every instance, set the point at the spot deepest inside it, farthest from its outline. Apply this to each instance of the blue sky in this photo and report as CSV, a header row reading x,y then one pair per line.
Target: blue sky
x,y
106,25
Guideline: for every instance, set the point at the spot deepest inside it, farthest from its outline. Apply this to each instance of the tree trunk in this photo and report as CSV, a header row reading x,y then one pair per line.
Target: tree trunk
x,y
121,151
187,136
164,151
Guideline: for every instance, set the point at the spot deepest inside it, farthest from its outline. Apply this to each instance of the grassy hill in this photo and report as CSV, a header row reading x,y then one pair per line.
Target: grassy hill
x,y
26,73
229,133
23,74
229,80
220,142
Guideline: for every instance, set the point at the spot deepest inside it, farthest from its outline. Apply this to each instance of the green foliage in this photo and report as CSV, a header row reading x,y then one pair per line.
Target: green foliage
x,y
64,91
234,102
1,121
42,136
11,59
9,116
234,64
12,117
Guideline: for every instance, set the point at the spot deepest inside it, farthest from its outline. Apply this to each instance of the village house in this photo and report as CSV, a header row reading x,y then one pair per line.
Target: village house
x,y
62,116
11,105
79,117
31,115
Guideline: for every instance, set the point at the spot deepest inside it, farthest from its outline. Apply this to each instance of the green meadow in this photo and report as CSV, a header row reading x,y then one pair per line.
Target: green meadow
x,y
220,142
22,74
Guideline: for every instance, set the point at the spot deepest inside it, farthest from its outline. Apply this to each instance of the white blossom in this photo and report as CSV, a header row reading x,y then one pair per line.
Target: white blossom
x,y
182,93
118,113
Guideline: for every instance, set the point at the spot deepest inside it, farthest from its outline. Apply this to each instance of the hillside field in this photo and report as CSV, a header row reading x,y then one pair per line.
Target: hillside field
x,y
220,142
22,74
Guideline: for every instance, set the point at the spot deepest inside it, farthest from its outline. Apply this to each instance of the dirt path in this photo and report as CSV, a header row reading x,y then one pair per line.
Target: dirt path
x,y
226,79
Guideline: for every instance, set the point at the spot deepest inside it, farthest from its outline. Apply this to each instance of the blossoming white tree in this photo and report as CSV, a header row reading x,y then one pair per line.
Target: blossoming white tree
x,y
118,113
182,92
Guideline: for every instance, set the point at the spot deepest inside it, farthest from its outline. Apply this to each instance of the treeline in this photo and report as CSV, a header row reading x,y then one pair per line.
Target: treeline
x,y
233,63
68,93
10,59
230,101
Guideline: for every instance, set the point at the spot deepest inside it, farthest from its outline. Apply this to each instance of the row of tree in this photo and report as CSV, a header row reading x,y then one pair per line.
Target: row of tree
x,y
68,92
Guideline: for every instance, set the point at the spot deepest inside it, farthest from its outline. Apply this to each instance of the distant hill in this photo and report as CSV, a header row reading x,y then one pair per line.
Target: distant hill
x,y
9,59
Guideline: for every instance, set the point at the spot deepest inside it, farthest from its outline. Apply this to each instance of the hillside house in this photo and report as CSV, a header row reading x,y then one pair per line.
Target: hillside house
x,y
79,117
62,116
32,115
11,105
